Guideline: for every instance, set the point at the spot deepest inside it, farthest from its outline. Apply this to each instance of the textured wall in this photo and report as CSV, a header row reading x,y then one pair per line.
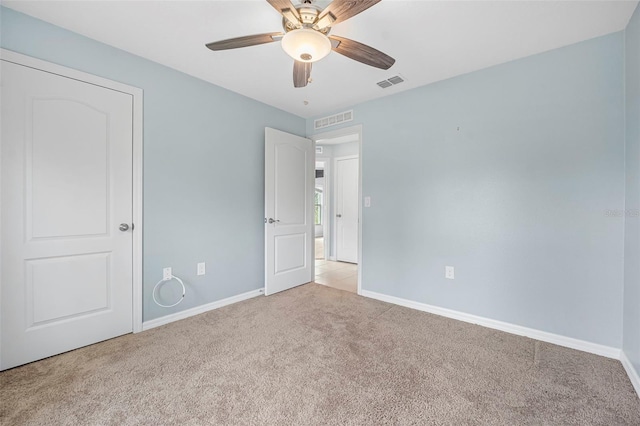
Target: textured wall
x,y
508,174
203,164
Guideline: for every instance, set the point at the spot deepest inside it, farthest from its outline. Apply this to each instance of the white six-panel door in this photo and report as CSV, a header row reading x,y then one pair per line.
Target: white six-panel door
x,y
66,188
347,209
289,190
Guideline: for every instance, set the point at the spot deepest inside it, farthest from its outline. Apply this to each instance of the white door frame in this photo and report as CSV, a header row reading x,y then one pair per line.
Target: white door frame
x,y
137,95
326,198
345,132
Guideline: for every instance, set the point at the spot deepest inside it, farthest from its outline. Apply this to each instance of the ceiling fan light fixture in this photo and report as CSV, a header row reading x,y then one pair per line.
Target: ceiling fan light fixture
x,y
306,45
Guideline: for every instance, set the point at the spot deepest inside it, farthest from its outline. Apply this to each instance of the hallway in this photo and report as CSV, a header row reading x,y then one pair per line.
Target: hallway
x,y
340,275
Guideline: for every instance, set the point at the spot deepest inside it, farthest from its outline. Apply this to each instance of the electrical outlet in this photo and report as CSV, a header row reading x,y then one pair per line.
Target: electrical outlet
x,y
367,201
201,268
166,274
449,272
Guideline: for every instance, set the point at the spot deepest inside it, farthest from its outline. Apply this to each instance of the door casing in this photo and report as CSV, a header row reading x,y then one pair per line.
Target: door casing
x,y
137,95
344,132
327,203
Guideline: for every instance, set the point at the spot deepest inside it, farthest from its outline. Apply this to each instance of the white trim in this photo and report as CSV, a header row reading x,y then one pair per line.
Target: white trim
x,y
360,208
147,325
138,205
631,372
326,208
31,62
569,342
137,95
343,132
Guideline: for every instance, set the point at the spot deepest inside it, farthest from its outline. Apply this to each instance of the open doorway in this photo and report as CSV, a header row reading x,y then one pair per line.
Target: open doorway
x,y
337,209
319,214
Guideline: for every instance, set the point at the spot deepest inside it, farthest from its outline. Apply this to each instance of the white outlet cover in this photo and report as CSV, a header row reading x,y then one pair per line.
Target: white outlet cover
x,y
367,201
166,274
449,272
201,270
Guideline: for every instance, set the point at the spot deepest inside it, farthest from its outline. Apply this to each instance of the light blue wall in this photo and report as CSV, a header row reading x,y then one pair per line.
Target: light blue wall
x,y
631,344
203,163
506,174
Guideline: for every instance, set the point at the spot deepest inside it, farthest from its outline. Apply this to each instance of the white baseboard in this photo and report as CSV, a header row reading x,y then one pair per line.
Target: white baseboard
x,y
147,325
569,342
631,372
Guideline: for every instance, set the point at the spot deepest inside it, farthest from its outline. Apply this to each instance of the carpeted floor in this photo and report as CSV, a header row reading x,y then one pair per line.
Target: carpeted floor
x,y
317,355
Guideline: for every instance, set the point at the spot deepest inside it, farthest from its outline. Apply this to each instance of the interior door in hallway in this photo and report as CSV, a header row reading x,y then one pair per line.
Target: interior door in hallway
x,y
289,191
66,260
347,209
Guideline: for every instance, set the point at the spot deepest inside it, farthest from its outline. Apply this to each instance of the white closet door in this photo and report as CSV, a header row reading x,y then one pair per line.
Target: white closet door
x,y
347,209
66,189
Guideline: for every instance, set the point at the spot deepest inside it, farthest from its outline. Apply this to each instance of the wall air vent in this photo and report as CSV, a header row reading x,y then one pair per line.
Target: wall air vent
x,y
332,120
396,79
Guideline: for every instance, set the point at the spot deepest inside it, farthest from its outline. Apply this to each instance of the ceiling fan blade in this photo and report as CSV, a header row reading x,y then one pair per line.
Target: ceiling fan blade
x,y
301,73
362,53
252,40
287,9
341,10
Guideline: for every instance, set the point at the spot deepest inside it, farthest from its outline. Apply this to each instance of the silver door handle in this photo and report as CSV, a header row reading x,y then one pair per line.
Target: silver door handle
x,y
338,215
272,220
124,227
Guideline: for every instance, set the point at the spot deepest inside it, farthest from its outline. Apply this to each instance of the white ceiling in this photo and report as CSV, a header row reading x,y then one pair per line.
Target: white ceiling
x,y
430,40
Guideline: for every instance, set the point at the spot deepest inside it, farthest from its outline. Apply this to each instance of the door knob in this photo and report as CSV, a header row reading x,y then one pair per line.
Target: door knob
x,y
124,227
338,215
272,220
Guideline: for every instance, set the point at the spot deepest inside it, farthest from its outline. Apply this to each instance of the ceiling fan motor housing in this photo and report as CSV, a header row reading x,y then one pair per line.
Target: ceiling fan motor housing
x,y
308,15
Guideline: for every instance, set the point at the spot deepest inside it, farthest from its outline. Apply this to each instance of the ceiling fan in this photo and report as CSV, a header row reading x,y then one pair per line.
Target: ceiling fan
x,y
306,36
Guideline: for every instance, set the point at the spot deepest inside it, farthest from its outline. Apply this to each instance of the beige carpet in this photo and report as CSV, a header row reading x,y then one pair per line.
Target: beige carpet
x,y
316,355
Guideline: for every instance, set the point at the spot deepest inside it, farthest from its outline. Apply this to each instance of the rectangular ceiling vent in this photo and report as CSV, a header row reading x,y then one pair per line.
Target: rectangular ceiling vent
x,y
332,120
396,79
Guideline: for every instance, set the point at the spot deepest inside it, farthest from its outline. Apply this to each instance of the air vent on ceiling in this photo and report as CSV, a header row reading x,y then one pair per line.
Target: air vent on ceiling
x,y
332,120
396,79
